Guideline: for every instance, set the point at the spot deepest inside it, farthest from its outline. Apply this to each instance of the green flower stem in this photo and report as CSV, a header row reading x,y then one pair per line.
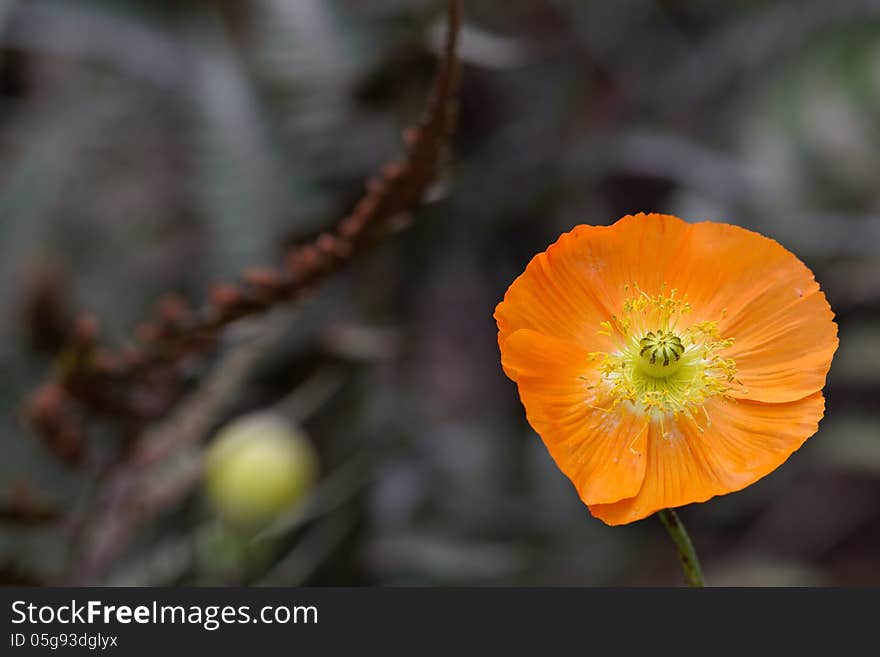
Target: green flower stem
x,y
690,564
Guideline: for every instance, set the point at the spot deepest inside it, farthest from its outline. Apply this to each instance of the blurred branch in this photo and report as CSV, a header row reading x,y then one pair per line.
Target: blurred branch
x,y
22,508
314,392
139,384
144,485
46,306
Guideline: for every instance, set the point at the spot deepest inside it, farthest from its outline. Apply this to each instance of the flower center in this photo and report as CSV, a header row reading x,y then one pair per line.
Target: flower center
x,y
660,353
662,366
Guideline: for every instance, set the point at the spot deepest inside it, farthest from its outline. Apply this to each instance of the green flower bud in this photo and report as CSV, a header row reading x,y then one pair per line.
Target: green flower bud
x,y
258,467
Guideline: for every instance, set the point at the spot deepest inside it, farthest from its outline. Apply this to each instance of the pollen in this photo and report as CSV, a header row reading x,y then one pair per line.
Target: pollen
x,y
663,365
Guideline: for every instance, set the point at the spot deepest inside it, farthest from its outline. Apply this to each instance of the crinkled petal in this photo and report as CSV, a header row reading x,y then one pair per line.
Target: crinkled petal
x,y
767,300
578,282
744,442
602,451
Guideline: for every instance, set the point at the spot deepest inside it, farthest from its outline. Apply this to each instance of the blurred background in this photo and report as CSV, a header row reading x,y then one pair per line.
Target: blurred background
x,y
160,146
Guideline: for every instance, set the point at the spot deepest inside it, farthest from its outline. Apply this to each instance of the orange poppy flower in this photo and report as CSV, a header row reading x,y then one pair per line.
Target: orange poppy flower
x,y
663,363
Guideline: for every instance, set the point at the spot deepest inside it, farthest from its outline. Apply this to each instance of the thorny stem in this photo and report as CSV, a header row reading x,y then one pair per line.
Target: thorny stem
x,y
690,564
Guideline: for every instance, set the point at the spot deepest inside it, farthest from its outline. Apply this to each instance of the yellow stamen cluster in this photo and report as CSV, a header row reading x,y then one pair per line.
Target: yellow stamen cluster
x,y
663,366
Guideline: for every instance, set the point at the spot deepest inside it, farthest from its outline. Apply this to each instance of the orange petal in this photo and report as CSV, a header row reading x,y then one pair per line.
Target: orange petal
x,y
785,355
601,451
759,293
567,291
768,301
728,268
745,441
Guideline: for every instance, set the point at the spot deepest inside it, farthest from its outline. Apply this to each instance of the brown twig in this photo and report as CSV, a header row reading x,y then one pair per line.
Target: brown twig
x,y
45,306
23,508
136,490
140,383
90,381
